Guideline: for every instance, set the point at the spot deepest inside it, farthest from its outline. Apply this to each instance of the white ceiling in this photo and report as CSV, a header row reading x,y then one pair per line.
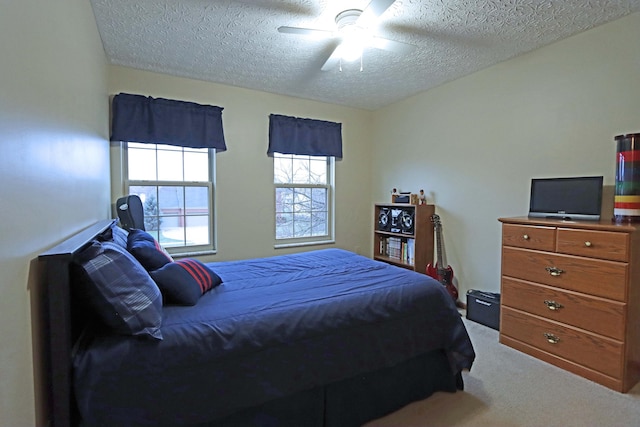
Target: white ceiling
x,y
237,43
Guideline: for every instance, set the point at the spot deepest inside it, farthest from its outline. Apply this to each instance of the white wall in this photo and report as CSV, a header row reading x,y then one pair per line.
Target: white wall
x,y
474,144
245,194
53,169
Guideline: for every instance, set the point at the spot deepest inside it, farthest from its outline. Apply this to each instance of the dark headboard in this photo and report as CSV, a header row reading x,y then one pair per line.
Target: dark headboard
x,y
56,268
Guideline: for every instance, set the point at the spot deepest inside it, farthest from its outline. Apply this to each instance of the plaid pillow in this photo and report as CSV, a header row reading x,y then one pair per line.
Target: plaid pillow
x,y
185,281
147,250
114,234
120,290
119,236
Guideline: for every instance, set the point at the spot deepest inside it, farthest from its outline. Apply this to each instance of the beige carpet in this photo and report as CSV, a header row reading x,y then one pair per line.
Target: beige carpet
x,y
507,388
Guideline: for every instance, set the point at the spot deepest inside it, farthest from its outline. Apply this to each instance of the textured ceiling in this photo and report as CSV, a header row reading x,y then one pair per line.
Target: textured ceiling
x,y
237,43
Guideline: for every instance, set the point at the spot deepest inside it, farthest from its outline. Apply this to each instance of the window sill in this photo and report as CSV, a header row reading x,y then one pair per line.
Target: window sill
x,y
300,244
193,254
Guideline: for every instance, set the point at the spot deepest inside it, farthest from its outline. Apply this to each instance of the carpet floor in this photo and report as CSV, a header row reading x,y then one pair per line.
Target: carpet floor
x,y
508,388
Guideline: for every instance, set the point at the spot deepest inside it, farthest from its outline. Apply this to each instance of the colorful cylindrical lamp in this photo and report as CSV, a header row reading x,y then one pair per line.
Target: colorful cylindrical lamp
x,y
626,204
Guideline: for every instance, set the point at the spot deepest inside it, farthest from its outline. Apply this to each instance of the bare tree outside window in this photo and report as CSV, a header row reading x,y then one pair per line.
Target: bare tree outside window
x,y
301,196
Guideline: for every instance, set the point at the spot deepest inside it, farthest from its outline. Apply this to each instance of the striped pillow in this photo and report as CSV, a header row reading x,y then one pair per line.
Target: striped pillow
x,y
185,281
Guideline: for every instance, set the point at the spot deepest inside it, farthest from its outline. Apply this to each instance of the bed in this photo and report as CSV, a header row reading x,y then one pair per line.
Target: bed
x,y
319,338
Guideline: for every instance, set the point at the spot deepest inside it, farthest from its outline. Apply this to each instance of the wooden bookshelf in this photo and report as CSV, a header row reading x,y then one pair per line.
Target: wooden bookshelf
x,y
405,239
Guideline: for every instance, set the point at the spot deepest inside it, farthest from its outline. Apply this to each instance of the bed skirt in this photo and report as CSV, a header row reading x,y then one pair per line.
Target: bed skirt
x,y
353,401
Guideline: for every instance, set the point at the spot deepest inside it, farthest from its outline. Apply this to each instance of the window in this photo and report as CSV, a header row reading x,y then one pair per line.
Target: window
x,y
175,185
303,198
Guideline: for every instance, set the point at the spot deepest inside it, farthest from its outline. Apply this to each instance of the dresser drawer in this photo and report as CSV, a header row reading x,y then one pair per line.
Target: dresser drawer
x,y
593,351
529,236
595,244
593,314
601,278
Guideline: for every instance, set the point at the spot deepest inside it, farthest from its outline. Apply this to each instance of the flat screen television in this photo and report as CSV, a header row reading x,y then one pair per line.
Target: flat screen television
x,y
575,198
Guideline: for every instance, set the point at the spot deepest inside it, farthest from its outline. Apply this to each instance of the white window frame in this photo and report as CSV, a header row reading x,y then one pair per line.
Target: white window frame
x,y
330,188
120,180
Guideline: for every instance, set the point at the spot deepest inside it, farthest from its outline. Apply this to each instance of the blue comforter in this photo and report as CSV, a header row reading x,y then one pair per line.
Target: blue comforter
x,y
275,326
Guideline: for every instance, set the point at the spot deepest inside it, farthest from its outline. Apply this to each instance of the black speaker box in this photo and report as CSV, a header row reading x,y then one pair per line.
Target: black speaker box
x,y
484,308
384,219
406,221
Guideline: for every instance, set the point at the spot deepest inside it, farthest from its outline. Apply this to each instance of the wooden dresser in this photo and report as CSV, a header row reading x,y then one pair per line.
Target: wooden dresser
x,y
571,296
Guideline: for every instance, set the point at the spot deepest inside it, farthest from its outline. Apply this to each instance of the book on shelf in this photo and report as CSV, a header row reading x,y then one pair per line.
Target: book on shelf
x,y
399,248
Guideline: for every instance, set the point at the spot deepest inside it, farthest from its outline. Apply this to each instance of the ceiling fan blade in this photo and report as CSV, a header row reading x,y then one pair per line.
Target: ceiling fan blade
x,y
332,61
374,9
306,32
392,45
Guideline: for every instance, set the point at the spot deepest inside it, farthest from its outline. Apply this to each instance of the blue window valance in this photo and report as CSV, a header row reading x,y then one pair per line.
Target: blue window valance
x,y
293,135
137,118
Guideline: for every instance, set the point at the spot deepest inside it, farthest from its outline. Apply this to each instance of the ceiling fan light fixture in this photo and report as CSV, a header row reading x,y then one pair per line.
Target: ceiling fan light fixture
x,y
349,52
354,38
352,45
347,18
355,30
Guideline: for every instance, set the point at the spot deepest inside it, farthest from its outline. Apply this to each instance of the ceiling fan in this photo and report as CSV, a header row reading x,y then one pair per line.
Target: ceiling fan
x,y
354,32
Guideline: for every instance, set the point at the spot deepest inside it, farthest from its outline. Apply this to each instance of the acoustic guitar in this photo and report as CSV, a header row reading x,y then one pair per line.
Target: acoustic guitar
x,y
439,272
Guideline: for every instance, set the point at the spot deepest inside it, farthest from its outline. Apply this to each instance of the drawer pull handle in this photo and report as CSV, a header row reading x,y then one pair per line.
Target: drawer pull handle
x,y
554,271
525,237
587,244
552,305
553,339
